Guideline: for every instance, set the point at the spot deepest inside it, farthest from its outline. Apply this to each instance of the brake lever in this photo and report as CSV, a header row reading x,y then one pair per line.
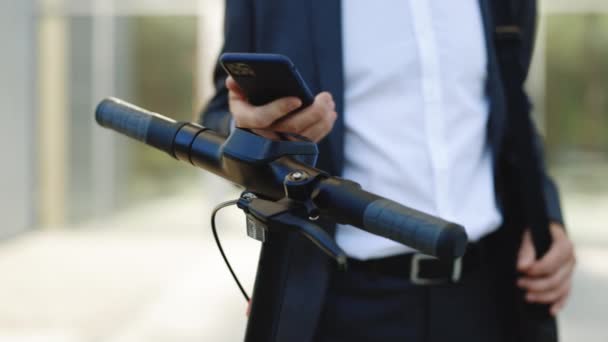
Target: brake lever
x,y
264,216
315,234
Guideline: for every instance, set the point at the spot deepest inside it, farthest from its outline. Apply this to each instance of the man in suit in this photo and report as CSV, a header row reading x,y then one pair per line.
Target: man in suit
x,y
411,104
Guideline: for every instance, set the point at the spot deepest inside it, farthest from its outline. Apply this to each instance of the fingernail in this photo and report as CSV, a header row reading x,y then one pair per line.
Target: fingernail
x,y
530,297
294,104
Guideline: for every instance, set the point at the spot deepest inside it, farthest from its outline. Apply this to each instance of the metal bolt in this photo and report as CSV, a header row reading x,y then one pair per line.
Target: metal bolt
x,y
298,176
249,196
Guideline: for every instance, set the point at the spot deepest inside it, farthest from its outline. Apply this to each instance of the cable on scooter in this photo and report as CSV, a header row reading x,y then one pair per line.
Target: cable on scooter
x,y
219,244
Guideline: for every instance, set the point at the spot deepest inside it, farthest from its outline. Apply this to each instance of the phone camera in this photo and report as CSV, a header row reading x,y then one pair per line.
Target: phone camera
x,y
240,69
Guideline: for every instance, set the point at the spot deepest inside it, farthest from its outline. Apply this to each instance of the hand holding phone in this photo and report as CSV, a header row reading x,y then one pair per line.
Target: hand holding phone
x,y
272,98
313,122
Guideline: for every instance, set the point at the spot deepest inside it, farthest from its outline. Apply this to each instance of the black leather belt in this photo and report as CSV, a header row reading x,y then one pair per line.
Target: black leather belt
x,y
422,269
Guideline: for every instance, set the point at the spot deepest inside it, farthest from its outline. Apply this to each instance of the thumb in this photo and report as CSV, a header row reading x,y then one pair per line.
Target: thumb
x,y
235,89
527,254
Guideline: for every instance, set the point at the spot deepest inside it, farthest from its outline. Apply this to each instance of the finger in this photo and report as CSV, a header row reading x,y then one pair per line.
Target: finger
x,y
547,283
237,100
264,116
234,87
319,130
249,116
326,98
307,117
314,133
560,252
267,134
559,305
298,122
241,110
549,297
235,92
557,230
526,255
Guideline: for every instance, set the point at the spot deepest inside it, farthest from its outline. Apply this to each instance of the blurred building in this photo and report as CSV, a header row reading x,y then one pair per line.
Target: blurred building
x,y
59,59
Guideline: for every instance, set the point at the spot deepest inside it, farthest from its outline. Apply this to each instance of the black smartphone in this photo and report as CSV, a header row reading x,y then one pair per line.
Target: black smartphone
x,y
266,77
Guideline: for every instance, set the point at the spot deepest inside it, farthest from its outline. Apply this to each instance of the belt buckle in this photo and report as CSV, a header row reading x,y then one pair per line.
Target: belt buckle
x,y
415,270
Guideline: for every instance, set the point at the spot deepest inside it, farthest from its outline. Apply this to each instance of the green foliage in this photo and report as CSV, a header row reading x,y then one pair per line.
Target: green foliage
x,y
163,67
577,83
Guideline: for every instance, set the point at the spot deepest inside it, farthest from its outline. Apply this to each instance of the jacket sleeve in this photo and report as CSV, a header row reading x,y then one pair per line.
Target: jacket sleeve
x,y
238,37
551,193
552,199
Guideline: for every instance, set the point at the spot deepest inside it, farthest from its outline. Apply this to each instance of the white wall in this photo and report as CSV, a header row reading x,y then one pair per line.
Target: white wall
x,y
17,103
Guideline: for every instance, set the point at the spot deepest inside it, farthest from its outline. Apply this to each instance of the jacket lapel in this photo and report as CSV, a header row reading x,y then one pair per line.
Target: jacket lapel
x,y
326,26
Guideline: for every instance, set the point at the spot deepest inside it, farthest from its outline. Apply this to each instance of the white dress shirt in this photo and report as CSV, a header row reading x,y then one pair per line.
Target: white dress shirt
x,y
416,114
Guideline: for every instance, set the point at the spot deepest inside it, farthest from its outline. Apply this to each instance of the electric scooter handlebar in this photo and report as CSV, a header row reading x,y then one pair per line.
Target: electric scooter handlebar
x,y
337,199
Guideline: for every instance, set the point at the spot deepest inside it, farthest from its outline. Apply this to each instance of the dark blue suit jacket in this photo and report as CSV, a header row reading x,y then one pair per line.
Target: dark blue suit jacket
x,y
309,32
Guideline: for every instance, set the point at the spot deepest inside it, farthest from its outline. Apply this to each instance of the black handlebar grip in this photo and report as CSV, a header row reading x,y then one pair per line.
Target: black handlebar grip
x,y
428,234
137,123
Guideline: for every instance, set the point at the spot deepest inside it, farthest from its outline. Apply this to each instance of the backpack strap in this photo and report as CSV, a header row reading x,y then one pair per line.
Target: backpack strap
x,y
520,135
513,27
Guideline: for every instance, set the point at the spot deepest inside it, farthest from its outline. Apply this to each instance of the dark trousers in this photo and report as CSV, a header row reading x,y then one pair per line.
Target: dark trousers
x,y
369,306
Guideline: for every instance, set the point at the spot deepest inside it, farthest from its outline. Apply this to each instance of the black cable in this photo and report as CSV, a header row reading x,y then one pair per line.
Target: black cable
x,y
219,245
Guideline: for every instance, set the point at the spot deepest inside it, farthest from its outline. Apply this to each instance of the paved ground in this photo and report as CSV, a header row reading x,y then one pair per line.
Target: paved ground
x,y
153,274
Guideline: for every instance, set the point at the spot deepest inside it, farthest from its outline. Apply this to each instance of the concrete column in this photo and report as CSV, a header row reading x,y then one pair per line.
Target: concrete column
x,y
17,103
51,119
103,142
210,40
